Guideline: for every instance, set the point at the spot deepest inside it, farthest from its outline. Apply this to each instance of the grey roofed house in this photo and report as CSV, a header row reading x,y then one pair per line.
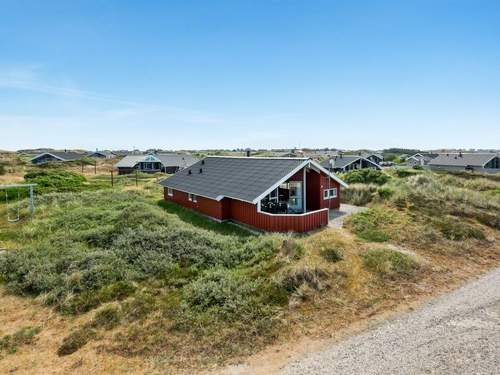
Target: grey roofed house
x,y
343,163
373,156
242,178
483,162
420,159
102,154
47,157
169,163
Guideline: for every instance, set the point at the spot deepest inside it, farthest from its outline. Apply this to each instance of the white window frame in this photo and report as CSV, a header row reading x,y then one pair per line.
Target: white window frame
x,y
170,192
192,198
330,194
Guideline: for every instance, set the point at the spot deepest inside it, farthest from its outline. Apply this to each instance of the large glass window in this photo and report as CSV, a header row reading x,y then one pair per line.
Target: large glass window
x,y
295,196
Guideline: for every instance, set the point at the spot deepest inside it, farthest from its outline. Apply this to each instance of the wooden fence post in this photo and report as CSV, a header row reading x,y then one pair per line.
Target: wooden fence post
x,y
112,179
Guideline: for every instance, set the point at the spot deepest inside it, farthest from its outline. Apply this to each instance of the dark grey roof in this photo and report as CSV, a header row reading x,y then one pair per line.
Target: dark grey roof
x,y
104,153
426,157
341,162
63,156
368,154
462,160
167,160
177,160
243,178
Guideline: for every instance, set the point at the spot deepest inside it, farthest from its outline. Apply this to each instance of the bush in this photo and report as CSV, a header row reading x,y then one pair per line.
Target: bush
x,y
222,290
92,247
24,336
385,192
390,263
403,172
75,340
456,230
366,176
3,170
358,194
107,318
312,276
369,225
52,180
331,254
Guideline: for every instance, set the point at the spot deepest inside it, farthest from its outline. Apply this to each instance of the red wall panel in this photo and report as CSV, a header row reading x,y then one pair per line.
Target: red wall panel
x,y
325,184
209,207
246,213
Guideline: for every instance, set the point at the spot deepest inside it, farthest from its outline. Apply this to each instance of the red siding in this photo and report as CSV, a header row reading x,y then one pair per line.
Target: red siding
x,y
246,213
313,191
329,203
209,207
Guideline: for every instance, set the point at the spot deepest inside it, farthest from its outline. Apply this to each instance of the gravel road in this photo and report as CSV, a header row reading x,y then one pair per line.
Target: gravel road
x,y
457,333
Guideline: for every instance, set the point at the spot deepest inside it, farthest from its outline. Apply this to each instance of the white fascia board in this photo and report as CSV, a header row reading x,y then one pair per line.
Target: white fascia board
x,y
327,172
48,153
493,157
275,185
362,158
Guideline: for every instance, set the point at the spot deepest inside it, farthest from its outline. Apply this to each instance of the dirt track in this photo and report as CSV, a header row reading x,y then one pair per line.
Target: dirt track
x,y
457,333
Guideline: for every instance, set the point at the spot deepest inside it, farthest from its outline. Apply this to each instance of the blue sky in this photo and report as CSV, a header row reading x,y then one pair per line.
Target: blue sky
x,y
228,74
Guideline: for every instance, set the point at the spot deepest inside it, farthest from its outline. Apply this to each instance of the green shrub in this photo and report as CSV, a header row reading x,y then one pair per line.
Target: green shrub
x,y
314,277
331,254
456,229
358,194
75,340
3,170
221,289
92,247
366,176
390,263
107,318
385,192
24,336
55,180
403,172
370,224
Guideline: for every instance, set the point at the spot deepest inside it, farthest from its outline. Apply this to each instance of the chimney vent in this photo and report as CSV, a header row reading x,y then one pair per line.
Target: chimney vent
x,y
189,171
203,162
201,170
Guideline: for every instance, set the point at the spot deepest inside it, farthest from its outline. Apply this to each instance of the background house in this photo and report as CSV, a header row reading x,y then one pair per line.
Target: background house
x,y
55,156
271,194
374,157
166,163
102,155
419,159
477,162
345,163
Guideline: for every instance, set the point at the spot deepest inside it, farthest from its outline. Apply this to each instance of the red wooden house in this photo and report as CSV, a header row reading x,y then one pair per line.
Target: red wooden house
x,y
271,194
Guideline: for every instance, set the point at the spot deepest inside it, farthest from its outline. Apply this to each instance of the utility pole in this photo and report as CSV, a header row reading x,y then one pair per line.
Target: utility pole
x,y
95,167
112,179
82,166
136,181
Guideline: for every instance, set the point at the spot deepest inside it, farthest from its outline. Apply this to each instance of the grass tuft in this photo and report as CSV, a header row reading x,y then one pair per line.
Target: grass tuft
x,y
390,263
25,336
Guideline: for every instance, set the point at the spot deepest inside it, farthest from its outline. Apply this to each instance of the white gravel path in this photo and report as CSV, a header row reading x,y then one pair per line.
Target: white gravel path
x,y
457,333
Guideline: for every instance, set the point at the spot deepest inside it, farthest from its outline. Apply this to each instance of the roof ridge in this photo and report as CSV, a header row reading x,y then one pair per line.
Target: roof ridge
x,y
255,157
